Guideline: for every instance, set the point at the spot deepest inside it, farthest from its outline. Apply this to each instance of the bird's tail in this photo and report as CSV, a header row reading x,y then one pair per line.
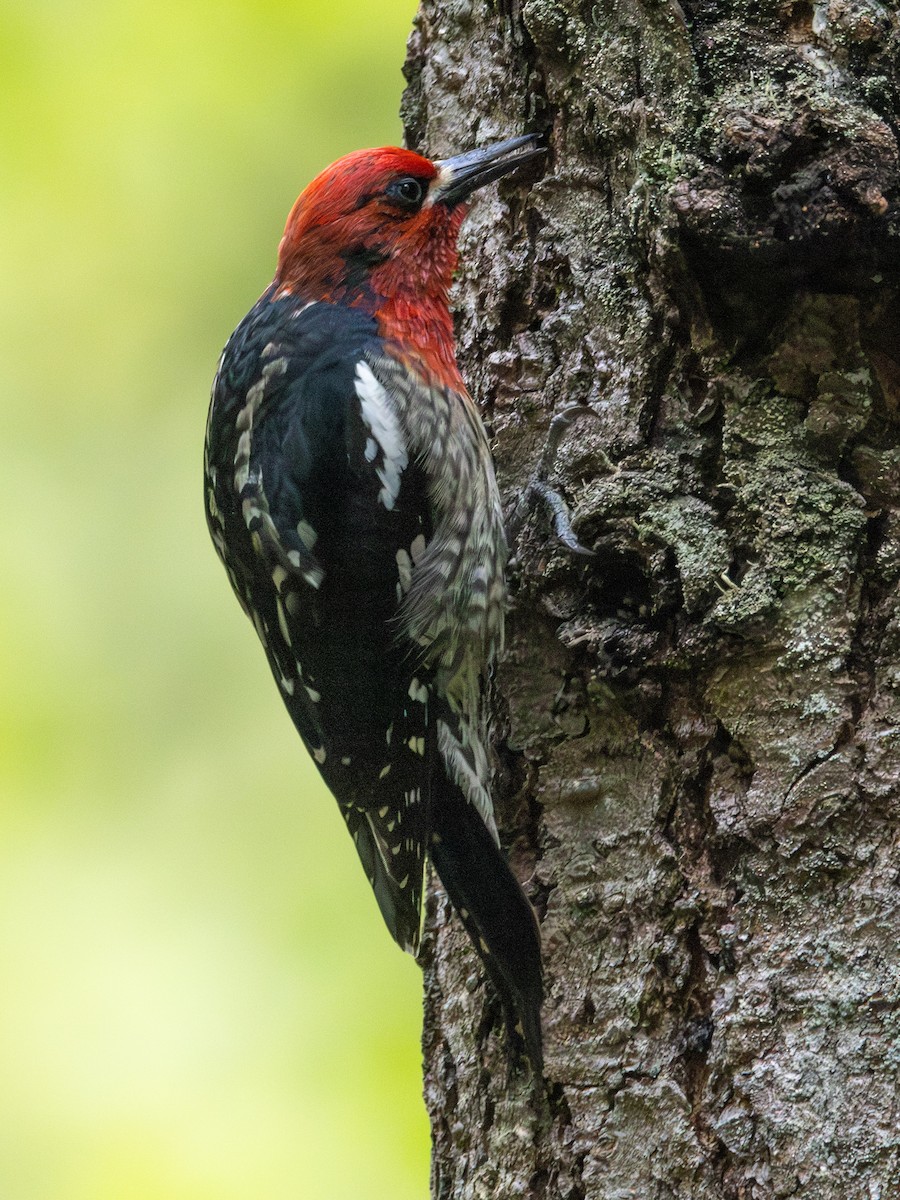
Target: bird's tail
x,y
494,910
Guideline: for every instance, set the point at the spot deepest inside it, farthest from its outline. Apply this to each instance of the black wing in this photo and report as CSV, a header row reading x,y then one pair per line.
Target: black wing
x,y
318,512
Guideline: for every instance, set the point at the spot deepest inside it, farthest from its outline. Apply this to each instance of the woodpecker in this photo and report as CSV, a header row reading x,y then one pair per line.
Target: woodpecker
x,y
351,497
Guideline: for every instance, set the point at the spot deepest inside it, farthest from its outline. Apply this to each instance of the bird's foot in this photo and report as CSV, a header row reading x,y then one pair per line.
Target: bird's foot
x,y
538,489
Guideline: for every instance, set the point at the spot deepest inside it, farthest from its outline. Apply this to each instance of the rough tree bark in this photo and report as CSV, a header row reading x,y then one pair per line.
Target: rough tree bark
x,y
698,729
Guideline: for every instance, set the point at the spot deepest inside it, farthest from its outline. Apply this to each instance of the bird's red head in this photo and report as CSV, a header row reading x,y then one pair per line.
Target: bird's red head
x,y
377,230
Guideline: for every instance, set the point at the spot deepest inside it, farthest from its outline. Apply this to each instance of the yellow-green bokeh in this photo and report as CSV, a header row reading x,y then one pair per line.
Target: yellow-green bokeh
x,y
198,1000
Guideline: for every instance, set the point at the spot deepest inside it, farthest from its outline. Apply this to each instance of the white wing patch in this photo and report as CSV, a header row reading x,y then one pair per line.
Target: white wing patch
x,y
387,436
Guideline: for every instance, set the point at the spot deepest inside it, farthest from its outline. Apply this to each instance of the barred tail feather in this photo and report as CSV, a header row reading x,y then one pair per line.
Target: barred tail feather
x,y
495,911
400,901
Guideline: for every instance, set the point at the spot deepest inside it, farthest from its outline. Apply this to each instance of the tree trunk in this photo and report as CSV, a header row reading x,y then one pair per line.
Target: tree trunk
x,y
698,743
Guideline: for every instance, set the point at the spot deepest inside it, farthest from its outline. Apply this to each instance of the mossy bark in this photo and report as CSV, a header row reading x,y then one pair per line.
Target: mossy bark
x,y
699,728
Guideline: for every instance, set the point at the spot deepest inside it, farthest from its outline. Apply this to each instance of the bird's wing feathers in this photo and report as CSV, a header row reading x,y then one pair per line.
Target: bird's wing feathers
x,y
327,513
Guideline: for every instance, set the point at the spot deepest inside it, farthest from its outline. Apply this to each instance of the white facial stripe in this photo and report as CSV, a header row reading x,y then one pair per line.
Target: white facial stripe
x,y
437,185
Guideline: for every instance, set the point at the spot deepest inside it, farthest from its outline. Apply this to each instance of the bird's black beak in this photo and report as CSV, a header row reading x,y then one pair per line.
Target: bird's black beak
x,y
459,176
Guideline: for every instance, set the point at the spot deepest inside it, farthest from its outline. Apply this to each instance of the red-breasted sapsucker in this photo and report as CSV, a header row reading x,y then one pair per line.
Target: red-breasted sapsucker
x,y
350,494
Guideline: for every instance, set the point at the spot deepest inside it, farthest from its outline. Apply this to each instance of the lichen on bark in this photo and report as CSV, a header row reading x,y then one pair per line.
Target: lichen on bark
x,y
697,730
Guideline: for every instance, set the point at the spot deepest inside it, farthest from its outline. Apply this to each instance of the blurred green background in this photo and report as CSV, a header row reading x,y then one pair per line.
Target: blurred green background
x,y
198,999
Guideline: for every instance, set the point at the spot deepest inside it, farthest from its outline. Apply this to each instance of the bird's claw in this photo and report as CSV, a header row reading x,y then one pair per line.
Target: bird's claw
x,y
539,489
559,513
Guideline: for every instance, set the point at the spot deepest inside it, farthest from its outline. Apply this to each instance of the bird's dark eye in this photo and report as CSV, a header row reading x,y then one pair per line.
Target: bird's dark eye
x,y
406,193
